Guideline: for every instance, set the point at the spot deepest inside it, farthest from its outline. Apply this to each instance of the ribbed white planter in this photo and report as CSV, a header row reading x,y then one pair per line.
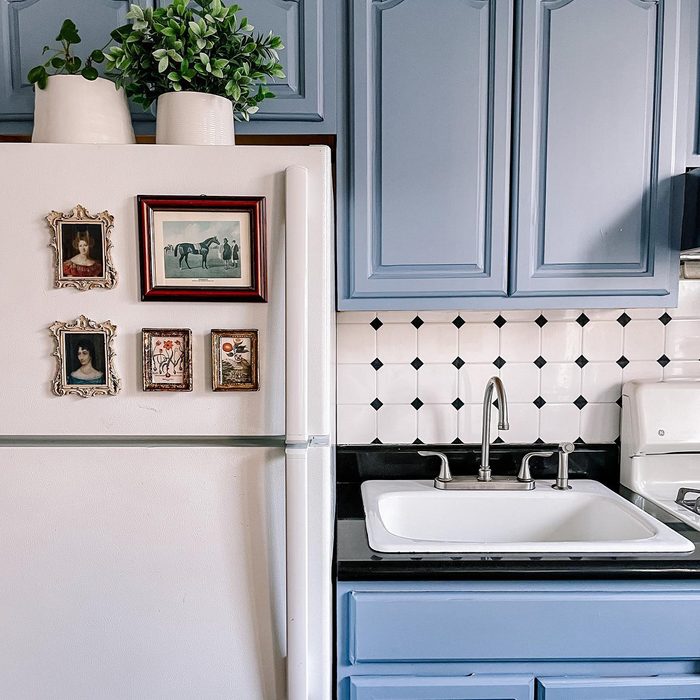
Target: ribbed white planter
x,y
194,118
71,109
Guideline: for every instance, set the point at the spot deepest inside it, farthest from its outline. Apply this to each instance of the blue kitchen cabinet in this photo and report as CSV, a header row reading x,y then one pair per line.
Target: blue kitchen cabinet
x,y
489,687
301,104
542,168
685,687
607,640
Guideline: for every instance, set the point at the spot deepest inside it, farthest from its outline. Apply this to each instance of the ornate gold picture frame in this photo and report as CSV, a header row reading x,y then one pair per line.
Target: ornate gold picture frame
x,y
82,249
234,360
84,352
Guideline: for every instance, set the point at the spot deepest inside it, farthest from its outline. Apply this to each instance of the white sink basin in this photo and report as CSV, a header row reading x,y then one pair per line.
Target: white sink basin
x,y
413,516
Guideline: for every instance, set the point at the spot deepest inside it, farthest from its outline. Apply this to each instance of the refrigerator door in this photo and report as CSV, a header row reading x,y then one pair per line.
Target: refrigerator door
x,y
142,572
109,178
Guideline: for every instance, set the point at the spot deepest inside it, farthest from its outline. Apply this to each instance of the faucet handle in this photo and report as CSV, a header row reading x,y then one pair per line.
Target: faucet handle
x,y
445,473
524,473
567,447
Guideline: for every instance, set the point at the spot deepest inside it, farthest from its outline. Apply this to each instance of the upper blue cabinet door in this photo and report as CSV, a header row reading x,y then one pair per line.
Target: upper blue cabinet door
x,y
596,142
26,26
299,96
429,151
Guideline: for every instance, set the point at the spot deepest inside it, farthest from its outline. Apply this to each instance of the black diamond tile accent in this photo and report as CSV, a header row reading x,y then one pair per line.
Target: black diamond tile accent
x,y
377,363
663,360
499,440
418,441
459,321
579,441
376,404
499,362
539,402
376,324
623,362
417,363
539,441
458,362
582,320
416,403
665,318
377,441
500,321
619,402
458,403
580,402
417,322
457,441
581,361
540,362
623,319
540,320
618,442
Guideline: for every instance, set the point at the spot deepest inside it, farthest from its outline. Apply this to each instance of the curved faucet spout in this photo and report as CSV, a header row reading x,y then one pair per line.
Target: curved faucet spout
x,y
494,382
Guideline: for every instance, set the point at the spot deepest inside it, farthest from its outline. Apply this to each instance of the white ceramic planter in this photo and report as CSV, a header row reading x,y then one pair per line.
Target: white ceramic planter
x,y
194,118
71,109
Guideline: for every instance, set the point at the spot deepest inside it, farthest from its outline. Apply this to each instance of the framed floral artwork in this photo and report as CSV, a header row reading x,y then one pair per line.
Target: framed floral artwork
x,y
167,359
202,248
234,360
84,351
82,249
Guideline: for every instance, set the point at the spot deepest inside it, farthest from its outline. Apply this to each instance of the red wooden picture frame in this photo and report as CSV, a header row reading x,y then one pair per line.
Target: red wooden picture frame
x,y
166,273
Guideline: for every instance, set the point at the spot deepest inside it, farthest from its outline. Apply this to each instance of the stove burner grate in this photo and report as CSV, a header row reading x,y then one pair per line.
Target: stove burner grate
x,y
692,504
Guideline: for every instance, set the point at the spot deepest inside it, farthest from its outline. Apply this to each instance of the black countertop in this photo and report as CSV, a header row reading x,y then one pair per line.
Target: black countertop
x,y
356,561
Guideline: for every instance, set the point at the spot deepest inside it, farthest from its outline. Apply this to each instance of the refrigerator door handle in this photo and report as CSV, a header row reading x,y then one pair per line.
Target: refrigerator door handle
x,y
297,304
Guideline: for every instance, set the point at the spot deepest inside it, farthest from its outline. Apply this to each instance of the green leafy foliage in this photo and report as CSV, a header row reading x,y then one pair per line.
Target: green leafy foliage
x,y
63,61
198,46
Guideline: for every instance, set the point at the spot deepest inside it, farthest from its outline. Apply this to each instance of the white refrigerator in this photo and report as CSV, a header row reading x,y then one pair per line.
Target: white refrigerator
x,y
158,544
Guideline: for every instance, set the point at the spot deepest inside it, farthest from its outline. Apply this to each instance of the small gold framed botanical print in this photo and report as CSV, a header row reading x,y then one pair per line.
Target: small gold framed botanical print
x,y
82,249
167,359
84,351
234,360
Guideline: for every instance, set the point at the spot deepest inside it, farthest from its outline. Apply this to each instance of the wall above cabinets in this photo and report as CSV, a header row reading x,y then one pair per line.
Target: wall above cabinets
x,y
522,154
305,99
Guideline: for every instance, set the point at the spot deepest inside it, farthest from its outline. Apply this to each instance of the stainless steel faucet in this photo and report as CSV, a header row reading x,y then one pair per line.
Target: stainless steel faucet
x,y
494,382
562,482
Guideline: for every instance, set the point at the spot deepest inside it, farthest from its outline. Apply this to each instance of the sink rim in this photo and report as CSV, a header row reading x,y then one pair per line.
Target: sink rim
x,y
662,540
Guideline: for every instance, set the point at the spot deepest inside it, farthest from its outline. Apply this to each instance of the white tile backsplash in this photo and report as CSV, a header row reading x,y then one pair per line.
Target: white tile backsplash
x,y
396,383
437,342
602,340
563,369
437,383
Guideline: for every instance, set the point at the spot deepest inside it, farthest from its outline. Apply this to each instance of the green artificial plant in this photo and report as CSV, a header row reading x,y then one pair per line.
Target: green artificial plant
x,y
198,46
63,60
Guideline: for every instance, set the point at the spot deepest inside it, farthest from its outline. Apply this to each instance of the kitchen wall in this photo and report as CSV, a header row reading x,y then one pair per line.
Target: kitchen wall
x,y
412,377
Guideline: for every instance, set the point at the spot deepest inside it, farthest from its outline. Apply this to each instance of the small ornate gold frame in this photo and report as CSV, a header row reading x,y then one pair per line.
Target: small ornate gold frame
x,y
67,336
153,366
80,216
240,378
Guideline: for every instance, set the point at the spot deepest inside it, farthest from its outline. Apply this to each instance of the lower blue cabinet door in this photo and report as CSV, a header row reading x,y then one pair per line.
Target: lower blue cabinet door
x,y
682,687
486,687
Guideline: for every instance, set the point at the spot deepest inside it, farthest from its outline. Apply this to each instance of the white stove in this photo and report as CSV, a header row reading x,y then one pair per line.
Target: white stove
x,y
660,452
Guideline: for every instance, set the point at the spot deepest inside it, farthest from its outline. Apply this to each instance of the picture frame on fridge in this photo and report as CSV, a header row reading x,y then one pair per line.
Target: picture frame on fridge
x,y
82,249
234,360
202,248
84,352
167,359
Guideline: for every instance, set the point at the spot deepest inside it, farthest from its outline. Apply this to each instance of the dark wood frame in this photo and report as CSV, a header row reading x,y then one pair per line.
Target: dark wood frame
x,y
253,206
